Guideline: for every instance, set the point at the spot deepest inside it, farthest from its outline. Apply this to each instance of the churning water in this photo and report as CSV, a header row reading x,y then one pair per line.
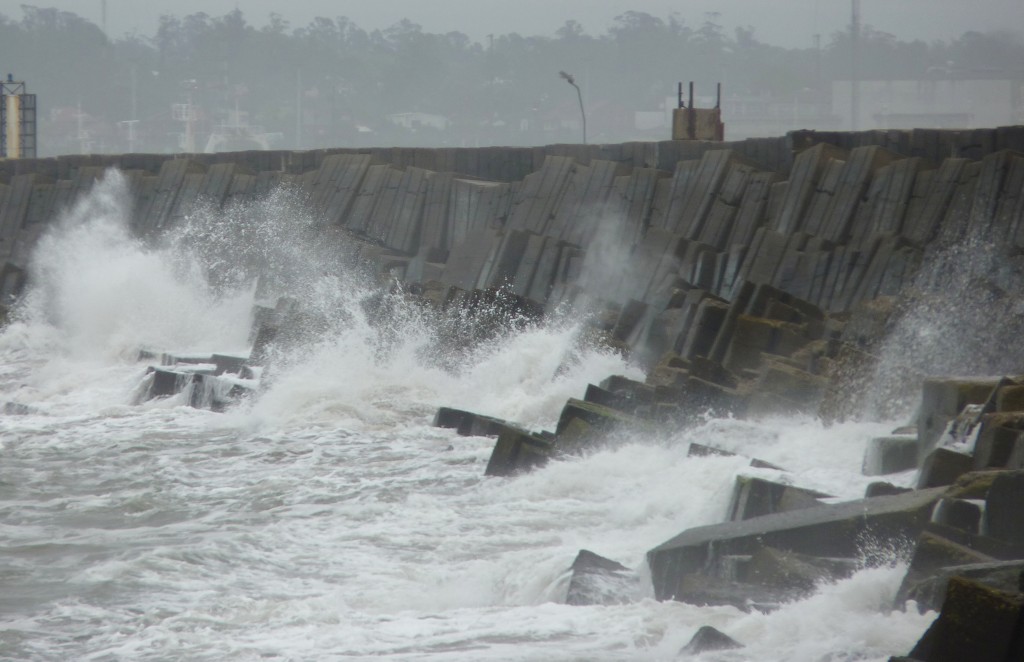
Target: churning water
x,y
324,518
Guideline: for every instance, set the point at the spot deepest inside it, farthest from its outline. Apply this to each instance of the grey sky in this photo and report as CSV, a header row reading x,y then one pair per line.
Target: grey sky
x,y
788,23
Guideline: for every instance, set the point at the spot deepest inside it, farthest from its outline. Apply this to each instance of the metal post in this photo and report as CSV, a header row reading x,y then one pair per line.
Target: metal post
x,y
298,109
691,117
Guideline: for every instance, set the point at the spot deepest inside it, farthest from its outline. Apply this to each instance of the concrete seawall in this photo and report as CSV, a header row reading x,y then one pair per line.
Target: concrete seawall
x,y
832,219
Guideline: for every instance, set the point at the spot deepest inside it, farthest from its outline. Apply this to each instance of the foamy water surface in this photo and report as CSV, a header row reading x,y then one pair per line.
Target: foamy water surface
x,y
326,518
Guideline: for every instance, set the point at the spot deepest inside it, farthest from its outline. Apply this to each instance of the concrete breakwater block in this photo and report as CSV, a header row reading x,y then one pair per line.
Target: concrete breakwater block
x,y
595,415
164,382
755,497
204,386
703,450
1000,441
1004,505
218,392
708,638
889,455
942,400
468,424
599,581
942,467
837,530
977,622
977,522
930,591
787,570
516,450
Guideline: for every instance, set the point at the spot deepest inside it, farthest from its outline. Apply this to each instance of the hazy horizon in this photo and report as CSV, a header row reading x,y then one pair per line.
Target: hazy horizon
x,y
791,24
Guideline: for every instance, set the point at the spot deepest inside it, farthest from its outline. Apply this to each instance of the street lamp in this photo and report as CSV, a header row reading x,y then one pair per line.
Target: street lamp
x,y
572,81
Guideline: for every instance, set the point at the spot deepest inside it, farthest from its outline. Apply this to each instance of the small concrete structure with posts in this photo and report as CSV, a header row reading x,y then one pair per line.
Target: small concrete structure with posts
x,y
691,123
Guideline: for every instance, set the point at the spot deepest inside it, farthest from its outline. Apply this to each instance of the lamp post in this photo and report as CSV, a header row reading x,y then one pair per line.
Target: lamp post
x,y
572,81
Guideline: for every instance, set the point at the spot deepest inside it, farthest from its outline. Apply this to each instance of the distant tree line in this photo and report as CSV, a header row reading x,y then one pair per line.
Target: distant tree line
x,y
333,83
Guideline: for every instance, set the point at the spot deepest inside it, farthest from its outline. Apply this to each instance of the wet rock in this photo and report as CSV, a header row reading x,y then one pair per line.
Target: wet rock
x,y
164,382
629,317
942,400
576,437
990,546
263,339
753,336
788,570
491,311
600,581
755,497
696,397
962,514
1010,398
889,455
784,388
942,467
850,374
713,372
881,488
977,622
628,388
707,590
708,638
836,531
517,451
972,485
1004,507
600,417
1001,575
227,363
217,392
1000,442
618,401
933,553
702,450
468,424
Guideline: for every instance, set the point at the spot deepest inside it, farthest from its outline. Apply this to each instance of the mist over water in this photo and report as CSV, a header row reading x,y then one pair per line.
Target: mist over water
x,y
325,518
963,317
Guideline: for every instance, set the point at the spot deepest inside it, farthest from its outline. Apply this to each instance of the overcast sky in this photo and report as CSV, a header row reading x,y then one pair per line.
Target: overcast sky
x,y
789,23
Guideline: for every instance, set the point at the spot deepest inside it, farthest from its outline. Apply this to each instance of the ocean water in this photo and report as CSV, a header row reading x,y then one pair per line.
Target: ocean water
x,y
324,518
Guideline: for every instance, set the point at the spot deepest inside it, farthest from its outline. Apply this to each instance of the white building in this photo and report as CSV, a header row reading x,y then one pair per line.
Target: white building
x,y
415,121
929,104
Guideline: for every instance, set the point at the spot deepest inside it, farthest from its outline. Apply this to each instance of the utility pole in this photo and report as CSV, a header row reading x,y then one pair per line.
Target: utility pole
x,y
855,65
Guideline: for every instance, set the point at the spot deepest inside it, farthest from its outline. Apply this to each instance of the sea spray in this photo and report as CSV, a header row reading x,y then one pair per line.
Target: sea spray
x,y
109,294
962,316
327,518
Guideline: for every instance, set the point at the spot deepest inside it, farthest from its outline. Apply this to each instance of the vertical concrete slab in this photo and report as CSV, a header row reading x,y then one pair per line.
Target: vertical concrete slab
x,y
436,210
753,207
15,208
342,190
808,168
407,214
358,219
467,258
